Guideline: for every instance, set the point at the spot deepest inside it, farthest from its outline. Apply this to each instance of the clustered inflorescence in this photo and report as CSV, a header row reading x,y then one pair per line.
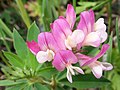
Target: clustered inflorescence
x,y
61,45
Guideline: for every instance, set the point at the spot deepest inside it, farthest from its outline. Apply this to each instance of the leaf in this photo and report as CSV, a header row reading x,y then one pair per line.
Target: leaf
x,y
47,72
31,61
10,82
19,45
14,59
16,87
33,32
40,87
85,81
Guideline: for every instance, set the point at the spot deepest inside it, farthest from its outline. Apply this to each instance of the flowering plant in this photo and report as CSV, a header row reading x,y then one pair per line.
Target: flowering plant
x,y
46,59
62,45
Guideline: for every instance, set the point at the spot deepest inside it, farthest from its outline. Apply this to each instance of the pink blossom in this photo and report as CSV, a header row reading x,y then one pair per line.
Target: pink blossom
x,y
46,47
96,66
95,32
62,30
65,59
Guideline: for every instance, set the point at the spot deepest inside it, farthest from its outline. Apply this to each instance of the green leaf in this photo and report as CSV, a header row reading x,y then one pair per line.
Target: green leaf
x,y
14,59
85,81
16,87
19,45
31,61
10,82
40,87
33,32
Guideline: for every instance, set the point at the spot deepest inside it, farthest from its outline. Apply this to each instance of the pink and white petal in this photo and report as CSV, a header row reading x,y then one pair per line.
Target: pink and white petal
x,y
33,46
100,54
92,39
78,36
106,66
92,18
85,22
63,26
70,15
96,69
82,58
42,56
58,62
50,40
68,57
69,76
42,41
82,25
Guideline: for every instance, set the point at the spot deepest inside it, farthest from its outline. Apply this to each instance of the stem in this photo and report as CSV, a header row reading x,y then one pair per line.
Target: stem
x,y
109,16
74,4
6,29
23,13
53,83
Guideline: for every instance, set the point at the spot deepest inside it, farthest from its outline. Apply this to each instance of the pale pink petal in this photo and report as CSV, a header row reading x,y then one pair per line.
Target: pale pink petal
x,y
92,18
42,56
92,39
100,54
82,58
68,57
42,41
78,36
106,66
63,25
96,69
51,43
103,35
69,76
58,62
61,17
85,22
33,46
70,15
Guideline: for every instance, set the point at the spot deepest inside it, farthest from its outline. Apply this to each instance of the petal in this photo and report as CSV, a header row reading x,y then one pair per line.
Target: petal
x,y
63,26
42,41
33,46
79,70
58,62
82,58
100,54
69,76
70,15
103,35
78,36
96,70
92,39
51,43
43,56
85,22
92,17
99,25
68,57
106,66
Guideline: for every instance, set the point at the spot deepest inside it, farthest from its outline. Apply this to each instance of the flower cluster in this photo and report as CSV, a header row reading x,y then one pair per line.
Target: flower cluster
x,y
61,45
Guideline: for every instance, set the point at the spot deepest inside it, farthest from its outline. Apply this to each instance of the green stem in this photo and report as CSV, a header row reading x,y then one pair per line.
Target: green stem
x,y
109,16
6,29
74,4
23,13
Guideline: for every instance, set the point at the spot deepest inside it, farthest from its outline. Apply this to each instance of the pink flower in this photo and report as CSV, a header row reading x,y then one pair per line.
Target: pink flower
x,y
46,47
66,58
96,66
62,30
95,32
